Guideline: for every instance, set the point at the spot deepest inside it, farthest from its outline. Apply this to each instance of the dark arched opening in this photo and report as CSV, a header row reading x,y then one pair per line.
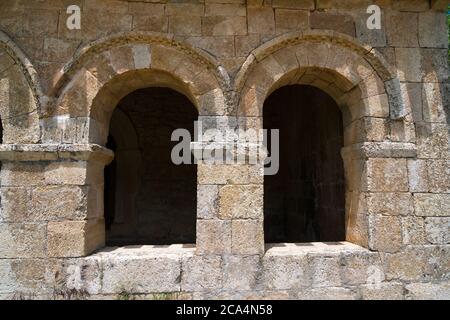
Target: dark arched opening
x,y
149,199
305,201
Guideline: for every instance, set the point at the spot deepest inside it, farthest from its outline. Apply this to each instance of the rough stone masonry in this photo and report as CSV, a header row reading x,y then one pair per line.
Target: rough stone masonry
x,y
79,175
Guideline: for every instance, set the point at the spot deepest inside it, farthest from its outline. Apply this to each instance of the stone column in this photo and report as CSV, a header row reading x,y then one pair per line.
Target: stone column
x,y
52,200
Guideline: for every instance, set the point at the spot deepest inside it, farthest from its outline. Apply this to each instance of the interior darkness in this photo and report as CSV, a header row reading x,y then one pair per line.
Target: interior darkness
x,y
305,201
163,210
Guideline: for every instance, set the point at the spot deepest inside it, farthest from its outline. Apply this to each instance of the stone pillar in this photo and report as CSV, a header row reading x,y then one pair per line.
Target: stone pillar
x,y
377,193
52,200
229,206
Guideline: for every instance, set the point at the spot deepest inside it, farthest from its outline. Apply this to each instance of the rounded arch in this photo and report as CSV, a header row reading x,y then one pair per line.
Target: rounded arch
x,y
103,72
318,57
21,95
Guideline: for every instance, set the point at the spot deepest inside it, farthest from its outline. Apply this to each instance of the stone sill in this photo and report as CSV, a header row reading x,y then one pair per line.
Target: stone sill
x,y
313,248
146,251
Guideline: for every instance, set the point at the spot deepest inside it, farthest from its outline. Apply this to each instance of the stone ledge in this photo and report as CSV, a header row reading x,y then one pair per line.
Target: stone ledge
x,y
379,150
54,152
292,249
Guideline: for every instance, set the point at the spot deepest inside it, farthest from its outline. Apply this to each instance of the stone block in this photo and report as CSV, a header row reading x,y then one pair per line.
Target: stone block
x,y
431,205
8,281
14,204
230,174
385,233
332,21
409,64
261,20
390,203
207,201
413,230
247,237
289,20
294,4
410,265
387,175
201,273
383,291
418,176
433,103
433,30
286,271
213,236
185,25
141,274
241,202
74,238
439,176
428,291
325,270
362,267
438,230
402,29
328,293
26,240
224,26
151,23
245,44
240,272
185,9
58,202
225,9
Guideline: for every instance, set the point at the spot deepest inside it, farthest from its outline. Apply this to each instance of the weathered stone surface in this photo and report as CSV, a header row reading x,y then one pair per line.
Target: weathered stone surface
x,y
229,174
324,270
413,230
240,272
201,273
331,21
328,293
433,103
247,237
241,202
47,204
207,201
26,240
418,176
385,233
74,238
361,267
286,271
213,236
390,203
224,26
428,35
226,56
408,61
141,274
439,176
402,29
287,19
431,205
383,291
14,204
387,175
438,230
261,20
428,291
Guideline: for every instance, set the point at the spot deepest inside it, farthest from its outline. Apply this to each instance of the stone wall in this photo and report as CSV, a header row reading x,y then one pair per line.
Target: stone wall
x,y
58,90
